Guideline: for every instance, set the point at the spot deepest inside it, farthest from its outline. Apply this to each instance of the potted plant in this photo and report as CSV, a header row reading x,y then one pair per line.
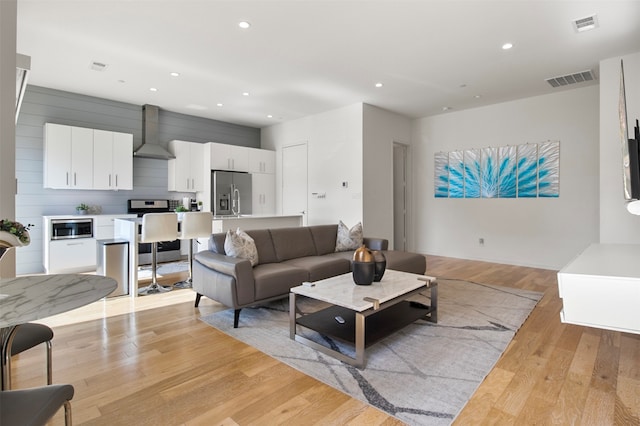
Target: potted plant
x,y
181,209
82,208
13,234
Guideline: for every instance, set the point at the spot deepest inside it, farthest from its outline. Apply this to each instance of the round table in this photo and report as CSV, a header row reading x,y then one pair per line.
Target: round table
x,y
29,298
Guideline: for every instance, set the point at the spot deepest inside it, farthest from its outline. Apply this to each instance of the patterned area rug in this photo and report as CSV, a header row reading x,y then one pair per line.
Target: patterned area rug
x,y
423,374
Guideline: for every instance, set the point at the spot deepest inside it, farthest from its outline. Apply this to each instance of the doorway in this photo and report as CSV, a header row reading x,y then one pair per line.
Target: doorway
x,y
400,198
294,180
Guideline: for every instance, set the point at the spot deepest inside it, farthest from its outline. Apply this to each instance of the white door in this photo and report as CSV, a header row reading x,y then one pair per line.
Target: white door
x,y
294,180
399,196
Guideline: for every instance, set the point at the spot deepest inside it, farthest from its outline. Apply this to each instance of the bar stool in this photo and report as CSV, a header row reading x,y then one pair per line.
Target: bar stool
x,y
157,227
194,225
27,336
35,406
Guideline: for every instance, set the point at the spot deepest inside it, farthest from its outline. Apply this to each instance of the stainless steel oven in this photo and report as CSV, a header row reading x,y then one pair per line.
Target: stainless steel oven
x,y
168,251
65,229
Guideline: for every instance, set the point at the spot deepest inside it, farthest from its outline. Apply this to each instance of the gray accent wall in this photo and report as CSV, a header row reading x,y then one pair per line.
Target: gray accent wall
x,y
43,105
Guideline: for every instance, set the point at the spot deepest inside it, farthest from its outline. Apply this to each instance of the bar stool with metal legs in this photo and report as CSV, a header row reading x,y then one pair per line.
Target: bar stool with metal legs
x,y
194,225
157,227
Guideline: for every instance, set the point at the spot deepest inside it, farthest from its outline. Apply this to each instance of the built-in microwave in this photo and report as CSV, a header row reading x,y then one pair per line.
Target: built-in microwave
x,y
64,229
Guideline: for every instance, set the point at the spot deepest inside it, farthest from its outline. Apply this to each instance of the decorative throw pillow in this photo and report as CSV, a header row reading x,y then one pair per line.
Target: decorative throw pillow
x,y
349,239
240,244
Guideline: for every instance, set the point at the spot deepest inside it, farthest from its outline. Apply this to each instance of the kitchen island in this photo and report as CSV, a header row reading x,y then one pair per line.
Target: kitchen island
x,y
246,222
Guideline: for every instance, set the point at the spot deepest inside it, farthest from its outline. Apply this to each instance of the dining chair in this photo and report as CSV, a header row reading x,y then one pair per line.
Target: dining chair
x,y
157,227
194,225
27,336
35,406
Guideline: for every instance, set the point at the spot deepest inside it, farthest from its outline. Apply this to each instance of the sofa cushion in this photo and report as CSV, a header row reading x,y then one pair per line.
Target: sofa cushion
x,y
321,267
275,279
216,242
239,244
264,245
348,239
406,261
290,243
324,238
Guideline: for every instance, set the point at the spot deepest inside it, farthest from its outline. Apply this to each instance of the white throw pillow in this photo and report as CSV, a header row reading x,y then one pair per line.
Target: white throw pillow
x,y
240,244
349,239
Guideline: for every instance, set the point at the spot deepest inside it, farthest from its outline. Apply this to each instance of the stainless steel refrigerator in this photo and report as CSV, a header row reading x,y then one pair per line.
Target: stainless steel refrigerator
x,y
231,193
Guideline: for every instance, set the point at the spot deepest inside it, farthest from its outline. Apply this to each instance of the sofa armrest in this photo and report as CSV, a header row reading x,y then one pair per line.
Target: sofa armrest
x,y
376,243
240,269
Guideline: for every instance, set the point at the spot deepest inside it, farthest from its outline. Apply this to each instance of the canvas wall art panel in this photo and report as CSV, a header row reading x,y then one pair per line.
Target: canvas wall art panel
x,y
441,178
472,176
507,172
456,174
548,169
489,172
527,171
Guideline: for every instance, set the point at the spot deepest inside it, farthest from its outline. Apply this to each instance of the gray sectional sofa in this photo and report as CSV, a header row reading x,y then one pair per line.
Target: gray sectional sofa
x,y
286,258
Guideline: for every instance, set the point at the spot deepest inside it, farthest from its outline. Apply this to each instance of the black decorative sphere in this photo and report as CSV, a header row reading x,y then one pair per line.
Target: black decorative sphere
x,y
363,272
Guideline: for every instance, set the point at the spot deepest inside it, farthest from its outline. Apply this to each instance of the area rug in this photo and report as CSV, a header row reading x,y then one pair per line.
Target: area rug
x,y
423,374
144,272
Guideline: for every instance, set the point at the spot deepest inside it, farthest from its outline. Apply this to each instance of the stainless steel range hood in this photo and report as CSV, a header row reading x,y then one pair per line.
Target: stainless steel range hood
x,y
150,147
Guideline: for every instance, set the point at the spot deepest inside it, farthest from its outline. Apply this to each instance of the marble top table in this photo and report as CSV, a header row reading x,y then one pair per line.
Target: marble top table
x,y
28,298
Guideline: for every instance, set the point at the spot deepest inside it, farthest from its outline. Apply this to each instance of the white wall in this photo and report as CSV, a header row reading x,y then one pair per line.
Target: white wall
x,y
381,129
334,149
616,224
541,232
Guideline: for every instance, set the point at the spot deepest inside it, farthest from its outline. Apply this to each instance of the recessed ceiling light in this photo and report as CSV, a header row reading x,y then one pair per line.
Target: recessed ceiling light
x,y
379,84
175,74
121,81
446,108
269,116
219,105
98,66
477,96
245,93
244,25
153,89
507,46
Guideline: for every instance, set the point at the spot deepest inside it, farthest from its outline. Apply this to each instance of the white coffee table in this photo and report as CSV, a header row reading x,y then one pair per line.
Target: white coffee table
x,y
370,312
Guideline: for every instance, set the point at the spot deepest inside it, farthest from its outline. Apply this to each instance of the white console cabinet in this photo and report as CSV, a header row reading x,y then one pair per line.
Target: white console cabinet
x,y
601,288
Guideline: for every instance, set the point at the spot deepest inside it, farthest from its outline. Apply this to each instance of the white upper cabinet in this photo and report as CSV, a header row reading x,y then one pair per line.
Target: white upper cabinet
x,y
263,193
186,171
68,157
112,160
81,158
262,161
229,157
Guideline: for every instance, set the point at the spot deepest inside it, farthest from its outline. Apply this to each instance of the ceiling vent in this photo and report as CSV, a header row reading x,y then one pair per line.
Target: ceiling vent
x,y
98,66
564,80
585,24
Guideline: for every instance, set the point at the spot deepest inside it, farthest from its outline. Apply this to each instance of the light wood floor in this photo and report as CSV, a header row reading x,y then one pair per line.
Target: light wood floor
x,y
150,361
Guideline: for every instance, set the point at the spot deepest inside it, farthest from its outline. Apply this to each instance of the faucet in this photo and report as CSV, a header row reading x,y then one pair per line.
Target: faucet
x,y
236,196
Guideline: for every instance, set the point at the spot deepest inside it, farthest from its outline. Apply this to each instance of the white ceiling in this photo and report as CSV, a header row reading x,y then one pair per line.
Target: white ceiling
x,y
304,57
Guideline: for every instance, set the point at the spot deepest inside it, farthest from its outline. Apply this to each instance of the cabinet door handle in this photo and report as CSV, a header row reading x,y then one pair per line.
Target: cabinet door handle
x,y
67,178
193,183
109,180
116,180
74,244
187,183
75,179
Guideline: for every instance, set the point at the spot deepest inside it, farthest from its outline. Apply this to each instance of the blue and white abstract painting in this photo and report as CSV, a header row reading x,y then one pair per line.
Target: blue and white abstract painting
x,y
472,175
524,171
548,169
527,171
442,174
489,169
507,172
456,174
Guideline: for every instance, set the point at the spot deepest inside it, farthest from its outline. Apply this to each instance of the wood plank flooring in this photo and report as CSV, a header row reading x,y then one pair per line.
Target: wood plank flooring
x,y
151,361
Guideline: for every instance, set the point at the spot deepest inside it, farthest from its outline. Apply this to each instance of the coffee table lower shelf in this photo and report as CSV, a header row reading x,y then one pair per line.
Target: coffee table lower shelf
x,y
376,325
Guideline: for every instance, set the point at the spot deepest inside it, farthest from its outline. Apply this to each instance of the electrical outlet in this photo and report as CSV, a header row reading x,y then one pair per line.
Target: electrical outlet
x,y
481,241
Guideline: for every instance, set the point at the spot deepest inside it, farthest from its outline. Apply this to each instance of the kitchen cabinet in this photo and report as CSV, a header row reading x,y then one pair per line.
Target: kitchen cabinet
x,y
186,171
229,157
112,160
82,158
263,193
68,256
68,157
262,161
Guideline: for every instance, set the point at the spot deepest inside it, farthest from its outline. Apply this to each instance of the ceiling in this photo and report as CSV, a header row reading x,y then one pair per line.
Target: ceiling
x,y
304,57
